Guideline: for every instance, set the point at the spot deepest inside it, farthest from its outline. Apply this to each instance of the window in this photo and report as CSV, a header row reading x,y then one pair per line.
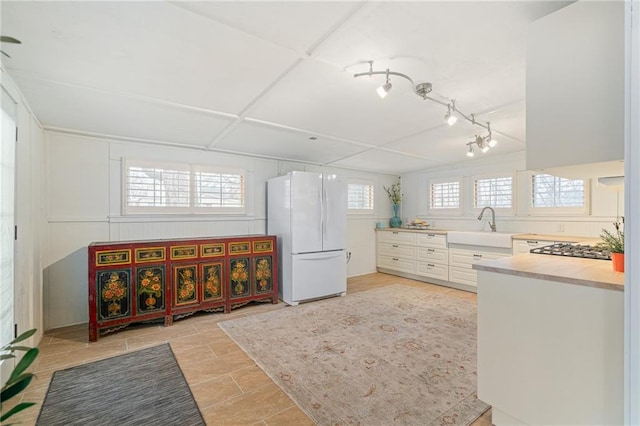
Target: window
x,y
181,188
444,196
496,192
560,194
360,197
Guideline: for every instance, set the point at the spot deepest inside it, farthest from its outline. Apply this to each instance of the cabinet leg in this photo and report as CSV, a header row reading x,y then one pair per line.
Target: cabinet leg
x,y
168,320
93,333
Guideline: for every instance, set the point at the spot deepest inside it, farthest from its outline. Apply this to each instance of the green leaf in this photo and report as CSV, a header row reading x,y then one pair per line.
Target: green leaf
x,y
17,348
16,409
23,336
6,356
9,391
24,363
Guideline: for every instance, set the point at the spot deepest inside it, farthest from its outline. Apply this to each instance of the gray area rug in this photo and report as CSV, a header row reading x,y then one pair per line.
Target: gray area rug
x,y
395,355
145,387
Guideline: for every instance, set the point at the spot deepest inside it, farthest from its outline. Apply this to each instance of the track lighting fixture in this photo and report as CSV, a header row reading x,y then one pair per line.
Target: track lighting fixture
x,y
422,90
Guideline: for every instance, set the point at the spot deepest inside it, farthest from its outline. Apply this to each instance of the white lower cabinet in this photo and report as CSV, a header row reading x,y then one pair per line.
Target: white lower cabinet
x,y
461,261
397,251
419,255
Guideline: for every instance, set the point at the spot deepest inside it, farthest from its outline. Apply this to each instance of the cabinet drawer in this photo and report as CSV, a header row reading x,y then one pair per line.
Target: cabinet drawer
x,y
463,276
397,250
431,240
466,258
397,237
397,263
433,255
433,270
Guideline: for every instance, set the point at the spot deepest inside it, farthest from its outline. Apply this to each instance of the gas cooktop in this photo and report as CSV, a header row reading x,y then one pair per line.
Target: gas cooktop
x,y
573,250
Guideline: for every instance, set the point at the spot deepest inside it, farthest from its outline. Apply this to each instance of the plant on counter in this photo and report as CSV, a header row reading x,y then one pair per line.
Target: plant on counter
x,y
613,242
394,193
19,380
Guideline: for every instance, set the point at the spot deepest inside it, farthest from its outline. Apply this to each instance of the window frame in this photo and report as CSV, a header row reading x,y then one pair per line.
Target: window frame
x,y
507,211
583,210
191,209
362,211
445,211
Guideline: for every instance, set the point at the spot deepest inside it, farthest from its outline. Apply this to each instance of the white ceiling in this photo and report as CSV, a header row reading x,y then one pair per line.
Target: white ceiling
x,y
261,78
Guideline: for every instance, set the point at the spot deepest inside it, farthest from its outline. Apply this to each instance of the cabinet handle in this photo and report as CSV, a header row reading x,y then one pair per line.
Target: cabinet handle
x,y
431,250
395,245
395,232
531,242
477,256
431,265
394,258
431,235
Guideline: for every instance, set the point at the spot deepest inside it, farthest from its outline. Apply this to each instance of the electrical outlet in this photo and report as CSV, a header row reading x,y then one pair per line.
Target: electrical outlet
x,y
560,227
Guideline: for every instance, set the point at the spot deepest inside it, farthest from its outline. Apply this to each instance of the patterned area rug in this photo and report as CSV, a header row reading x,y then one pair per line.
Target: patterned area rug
x,y
395,355
145,387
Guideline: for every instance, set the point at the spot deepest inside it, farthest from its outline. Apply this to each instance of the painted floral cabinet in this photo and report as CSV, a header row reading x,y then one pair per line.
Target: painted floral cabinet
x,y
137,281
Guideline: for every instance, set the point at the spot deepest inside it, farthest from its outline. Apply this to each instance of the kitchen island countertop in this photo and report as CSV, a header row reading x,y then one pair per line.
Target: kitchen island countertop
x,y
572,270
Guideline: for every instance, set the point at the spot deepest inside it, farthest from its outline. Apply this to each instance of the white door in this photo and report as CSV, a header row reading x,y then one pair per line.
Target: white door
x,y
306,212
334,236
318,274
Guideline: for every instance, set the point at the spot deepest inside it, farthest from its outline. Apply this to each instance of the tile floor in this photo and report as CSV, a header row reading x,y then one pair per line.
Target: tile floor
x,y
228,387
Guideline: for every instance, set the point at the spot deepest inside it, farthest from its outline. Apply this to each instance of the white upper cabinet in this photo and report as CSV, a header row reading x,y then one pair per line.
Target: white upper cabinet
x,y
575,88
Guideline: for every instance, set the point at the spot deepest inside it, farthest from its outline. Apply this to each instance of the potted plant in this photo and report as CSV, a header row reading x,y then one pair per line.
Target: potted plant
x,y
395,195
613,242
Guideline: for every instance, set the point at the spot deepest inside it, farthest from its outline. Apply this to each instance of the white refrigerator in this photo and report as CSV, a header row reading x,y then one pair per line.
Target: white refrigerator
x,y
308,214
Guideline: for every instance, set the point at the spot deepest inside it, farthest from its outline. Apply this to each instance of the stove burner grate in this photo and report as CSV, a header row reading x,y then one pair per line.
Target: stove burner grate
x,y
573,250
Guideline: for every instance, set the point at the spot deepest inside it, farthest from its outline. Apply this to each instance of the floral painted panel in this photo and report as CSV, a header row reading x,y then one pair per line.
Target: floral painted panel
x,y
212,281
239,277
150,289
113,296
262,274
113,257
150,254
184,284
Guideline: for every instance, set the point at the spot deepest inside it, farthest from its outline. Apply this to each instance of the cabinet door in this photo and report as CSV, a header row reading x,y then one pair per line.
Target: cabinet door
x,y
239,279
113,294
212,274
150,289
184,282
262,274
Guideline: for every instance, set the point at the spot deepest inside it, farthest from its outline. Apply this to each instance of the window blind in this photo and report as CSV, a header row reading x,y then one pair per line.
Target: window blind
x,y
181,188
445,195
493,192
360,196
554,191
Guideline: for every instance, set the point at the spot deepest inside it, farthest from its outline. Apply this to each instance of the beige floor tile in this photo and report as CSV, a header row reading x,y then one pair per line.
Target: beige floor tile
x,y
215,391
250,378
249,408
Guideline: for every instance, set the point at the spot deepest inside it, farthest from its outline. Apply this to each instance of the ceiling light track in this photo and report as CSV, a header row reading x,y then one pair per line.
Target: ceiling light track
x,y
484,143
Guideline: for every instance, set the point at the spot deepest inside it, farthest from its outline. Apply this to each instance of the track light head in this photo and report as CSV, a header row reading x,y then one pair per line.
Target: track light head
x,y
449,117
384,89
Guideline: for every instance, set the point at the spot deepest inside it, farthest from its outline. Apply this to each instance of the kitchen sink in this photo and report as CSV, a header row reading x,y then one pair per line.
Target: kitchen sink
x,y
481,238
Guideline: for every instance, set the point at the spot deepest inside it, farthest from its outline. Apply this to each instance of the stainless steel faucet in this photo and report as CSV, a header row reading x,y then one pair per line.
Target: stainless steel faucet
x,y
492,224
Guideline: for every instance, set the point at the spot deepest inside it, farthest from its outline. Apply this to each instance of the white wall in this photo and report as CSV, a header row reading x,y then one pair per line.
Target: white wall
x,y
606,205
83,188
